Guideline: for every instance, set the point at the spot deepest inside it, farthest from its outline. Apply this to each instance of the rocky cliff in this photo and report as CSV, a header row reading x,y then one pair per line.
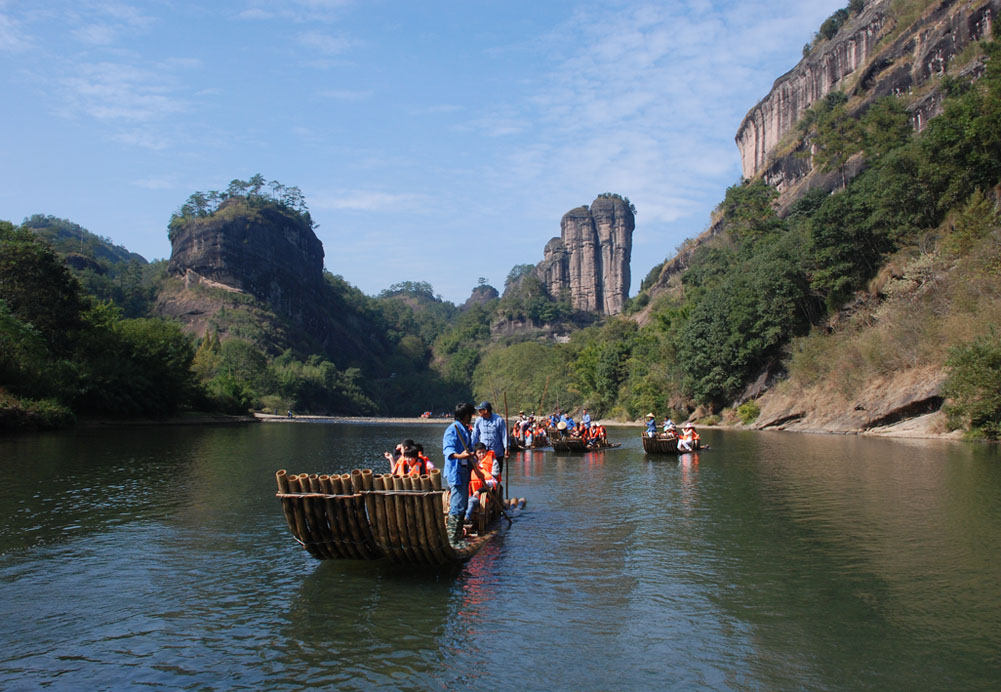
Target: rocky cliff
x,y
872,55
589,262
268,252
256,271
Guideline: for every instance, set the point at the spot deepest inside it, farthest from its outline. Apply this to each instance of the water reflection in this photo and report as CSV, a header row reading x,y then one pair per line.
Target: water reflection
x,y
770,561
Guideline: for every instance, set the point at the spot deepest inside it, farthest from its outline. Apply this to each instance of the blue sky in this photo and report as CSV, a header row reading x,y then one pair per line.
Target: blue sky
x,y
433,141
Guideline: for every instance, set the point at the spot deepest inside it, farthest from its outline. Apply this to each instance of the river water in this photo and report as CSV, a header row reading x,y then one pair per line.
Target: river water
x,y
159,558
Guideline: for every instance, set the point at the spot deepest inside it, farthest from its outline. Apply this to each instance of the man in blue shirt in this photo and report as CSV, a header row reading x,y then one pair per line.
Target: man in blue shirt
x,y
585,420
651,425
491,430
457,448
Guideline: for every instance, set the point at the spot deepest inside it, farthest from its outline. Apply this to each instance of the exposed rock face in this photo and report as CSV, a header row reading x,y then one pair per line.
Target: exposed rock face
x,y
481,295
856,61
265,252
590,261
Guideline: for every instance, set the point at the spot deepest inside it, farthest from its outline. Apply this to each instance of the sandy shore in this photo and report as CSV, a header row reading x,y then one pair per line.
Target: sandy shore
x,y
270,418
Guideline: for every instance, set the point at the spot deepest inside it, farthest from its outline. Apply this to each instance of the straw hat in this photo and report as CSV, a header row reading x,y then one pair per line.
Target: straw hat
x,y
650,415
562,425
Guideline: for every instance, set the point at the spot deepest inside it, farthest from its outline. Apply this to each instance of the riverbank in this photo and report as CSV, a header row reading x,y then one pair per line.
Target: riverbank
x,y
373,420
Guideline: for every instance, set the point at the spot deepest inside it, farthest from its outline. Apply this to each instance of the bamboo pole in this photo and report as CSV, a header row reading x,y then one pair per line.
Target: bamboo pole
x,y
336,544
320,522
437,517
281,476
300,518
381,518
416,519
359,521
359,508
507,466
429,507
392,526
367,479
348,542
403,526
352,534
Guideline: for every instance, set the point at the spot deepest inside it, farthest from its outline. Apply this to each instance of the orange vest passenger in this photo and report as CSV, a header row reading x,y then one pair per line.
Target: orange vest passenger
x,y
411,467
691,437
486,467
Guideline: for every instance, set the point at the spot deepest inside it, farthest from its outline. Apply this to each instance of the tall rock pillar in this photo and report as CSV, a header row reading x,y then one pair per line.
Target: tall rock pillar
x,y
590,259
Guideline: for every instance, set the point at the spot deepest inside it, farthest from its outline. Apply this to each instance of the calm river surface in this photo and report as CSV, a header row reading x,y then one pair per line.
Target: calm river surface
x,y
159,558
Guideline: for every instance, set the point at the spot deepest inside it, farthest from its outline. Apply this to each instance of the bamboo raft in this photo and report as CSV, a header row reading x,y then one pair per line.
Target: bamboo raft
x,y
573,444
366,516
517,446
666,445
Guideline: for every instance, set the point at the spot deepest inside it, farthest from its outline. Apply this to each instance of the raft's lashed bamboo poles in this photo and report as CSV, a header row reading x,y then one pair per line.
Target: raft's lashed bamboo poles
x,y
337,541
321,527
366,516
302,526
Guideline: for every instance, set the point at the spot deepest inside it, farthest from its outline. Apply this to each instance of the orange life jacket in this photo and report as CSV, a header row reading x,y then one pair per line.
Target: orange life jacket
x,y
486,467
405,468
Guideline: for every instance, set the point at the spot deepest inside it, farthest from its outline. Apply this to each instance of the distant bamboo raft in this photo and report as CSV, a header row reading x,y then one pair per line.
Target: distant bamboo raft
x,y
666,445
575,444
364,516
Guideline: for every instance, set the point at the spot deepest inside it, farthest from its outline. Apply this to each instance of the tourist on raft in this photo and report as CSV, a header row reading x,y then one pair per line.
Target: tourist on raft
x,y
670,431
689,439
457,448
491,430
651,425
413,463
485,478
396,455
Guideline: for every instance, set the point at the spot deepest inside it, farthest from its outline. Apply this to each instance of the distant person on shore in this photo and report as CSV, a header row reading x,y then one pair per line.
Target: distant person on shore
x,y
491,430
457,448
651,425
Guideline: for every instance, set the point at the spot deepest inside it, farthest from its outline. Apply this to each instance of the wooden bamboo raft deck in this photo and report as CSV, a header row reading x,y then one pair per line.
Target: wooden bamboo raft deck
x,y
364,516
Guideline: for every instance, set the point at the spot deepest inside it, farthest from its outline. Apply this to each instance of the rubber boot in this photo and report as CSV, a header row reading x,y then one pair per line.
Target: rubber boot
x,y
454,526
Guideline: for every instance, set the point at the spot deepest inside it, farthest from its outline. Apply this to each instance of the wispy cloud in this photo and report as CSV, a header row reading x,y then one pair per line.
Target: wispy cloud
x,y
104,23
325,44
373,201
345,94
13,39
120,92
645,98
294,10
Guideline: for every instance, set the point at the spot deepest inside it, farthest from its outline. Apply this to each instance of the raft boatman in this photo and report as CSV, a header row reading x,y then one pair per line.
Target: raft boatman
x,y
491,430
457,448
651,425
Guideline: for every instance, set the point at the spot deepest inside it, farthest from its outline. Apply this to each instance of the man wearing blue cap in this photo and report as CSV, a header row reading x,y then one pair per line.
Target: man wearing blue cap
x,y
491,430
